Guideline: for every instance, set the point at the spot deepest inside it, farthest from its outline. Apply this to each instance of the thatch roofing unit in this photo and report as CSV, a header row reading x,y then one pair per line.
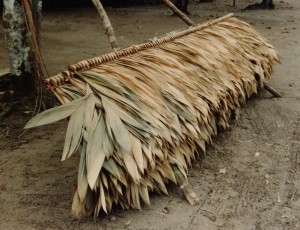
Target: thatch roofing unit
x,y
139,114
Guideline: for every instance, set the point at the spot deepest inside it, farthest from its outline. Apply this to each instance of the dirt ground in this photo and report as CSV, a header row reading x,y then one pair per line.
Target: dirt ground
x,y
260,151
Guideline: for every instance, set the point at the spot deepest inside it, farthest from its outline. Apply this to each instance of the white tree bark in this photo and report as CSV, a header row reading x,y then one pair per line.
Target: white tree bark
x,y
18,42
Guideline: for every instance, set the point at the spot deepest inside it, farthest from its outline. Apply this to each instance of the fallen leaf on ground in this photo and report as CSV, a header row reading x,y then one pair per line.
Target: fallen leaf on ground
x,y
222,171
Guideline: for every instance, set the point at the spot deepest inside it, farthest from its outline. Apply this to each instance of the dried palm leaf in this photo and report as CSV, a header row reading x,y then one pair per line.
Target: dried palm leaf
x,y
139,115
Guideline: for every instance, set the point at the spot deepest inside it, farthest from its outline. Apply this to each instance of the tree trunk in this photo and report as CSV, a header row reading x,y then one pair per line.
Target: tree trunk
x,y
17,38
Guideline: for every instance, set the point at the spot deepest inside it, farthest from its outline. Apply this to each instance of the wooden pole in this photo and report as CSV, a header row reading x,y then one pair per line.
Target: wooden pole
x,y
107,25
183,16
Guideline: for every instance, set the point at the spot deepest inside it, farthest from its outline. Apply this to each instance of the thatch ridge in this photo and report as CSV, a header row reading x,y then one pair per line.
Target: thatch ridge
x,y
90,63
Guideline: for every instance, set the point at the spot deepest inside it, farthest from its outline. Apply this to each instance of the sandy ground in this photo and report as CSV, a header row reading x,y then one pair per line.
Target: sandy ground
x,y
260,152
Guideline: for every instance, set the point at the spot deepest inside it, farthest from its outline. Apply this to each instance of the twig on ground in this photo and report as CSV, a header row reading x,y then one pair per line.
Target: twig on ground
x,y
292,198
206,210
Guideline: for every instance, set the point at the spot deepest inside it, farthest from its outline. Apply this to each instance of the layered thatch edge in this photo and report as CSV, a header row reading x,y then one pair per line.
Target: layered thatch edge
x,y
194,100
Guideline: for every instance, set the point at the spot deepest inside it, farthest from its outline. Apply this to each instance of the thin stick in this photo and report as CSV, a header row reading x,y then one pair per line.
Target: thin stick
x,y
34,38
39,61
107,25
183,16
292,198
271,90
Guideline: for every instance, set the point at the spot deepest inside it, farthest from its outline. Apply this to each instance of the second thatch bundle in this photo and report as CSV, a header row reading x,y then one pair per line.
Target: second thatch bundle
x,y
139,114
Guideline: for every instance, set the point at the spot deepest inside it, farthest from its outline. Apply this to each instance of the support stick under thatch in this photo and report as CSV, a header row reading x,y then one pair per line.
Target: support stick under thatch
x,y
271,90
189,22
178,12
185,187
106,24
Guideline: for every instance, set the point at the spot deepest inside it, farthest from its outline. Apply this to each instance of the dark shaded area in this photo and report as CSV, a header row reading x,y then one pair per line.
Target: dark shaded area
x,y
265,4
182,5
62,4
204,1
